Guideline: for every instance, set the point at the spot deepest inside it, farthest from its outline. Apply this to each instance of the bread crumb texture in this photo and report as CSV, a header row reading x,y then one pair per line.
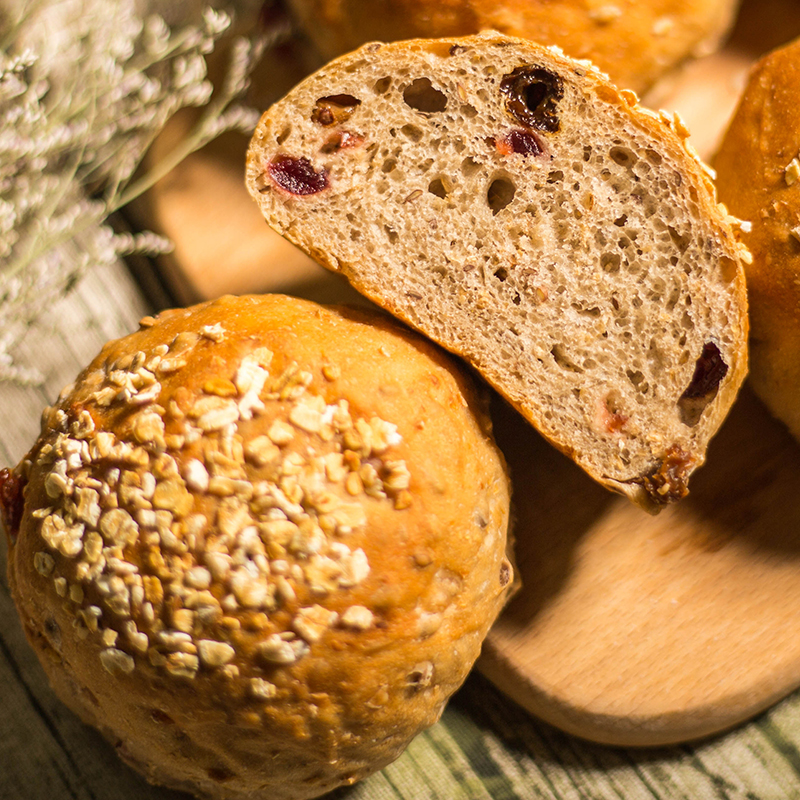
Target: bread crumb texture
x,y
514,206
261,544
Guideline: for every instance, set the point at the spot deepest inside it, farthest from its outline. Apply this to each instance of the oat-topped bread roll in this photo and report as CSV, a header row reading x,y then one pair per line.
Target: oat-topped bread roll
x,y
758,166
635,41
515,207
259,543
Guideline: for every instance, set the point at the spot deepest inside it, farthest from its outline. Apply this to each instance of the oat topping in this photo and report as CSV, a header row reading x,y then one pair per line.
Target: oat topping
x,y
792,171
605,14
663,26
173,539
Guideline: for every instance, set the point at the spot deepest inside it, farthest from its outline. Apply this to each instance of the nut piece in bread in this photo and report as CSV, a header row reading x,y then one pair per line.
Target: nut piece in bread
x,y
514,206
259,543
635,41
758,168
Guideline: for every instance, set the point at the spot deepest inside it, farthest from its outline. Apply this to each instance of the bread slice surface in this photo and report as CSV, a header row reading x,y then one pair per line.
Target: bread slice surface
x,y
514,206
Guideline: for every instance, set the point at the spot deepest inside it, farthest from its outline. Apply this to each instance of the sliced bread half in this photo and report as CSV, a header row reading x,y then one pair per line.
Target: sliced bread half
x,y
513,205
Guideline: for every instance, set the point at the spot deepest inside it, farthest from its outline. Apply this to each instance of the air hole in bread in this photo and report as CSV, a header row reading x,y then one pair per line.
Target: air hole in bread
x,y
620,221
653,156
500,193
161,717
610,262
593,311
381,86
623,156
284,134
411,132
469,166
636,377
559,353
501,274
423,96
681,240
438,187
391,234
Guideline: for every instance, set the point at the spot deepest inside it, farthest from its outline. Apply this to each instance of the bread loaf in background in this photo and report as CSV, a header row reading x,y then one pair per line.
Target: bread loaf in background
x,y
259,543
634,41
758,169
514,206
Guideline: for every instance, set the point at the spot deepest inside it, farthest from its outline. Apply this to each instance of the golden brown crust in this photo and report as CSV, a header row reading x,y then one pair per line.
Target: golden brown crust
x,y
262,542
758,165
635,42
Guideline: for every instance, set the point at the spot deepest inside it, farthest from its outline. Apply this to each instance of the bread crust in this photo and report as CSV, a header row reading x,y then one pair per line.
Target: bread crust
x,y
263,577
635,42
551,280
757,168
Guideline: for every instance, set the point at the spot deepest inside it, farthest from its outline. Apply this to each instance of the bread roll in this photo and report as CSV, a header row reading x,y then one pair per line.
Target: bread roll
x,y
758,167
259,543
635,41
514,206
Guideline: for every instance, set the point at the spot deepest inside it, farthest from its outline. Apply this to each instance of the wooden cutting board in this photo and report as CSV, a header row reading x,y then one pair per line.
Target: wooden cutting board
x,y
629,629
641,630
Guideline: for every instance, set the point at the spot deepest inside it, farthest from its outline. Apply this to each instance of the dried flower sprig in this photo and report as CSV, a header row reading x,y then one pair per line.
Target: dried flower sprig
x,y
85,87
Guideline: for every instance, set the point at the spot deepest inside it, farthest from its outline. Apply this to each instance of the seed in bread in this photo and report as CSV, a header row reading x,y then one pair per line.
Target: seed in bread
x,y
758,165
635,41
259,543
514,206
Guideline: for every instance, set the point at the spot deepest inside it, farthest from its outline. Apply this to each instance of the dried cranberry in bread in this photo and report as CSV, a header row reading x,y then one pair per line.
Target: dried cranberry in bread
x,y
261,543
635,41
514,206
758,167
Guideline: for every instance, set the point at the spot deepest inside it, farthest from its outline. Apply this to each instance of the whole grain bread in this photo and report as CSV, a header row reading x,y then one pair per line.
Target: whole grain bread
x,y
758,164
517,208
239,551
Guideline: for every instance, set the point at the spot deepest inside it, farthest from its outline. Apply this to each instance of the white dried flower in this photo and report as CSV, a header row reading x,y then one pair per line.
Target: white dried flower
x,y
85,87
